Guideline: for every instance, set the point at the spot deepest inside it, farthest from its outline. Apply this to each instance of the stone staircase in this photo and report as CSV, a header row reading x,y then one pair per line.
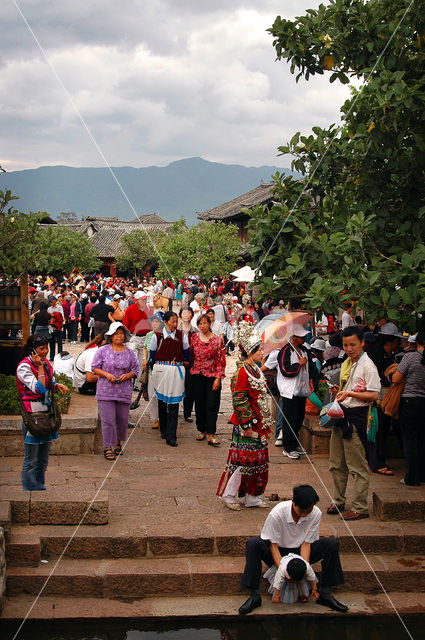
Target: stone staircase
x,y
111,565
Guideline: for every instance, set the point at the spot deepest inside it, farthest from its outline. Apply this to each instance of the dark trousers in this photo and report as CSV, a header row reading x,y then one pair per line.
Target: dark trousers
x,y
293,410
88,388
376,450
55,339
207,403
168,416
66,330
326,549
74,330
412,423
188,394
85,331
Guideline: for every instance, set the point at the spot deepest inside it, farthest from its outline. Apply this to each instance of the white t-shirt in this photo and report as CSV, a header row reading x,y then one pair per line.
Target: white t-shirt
x,y
83,364
281,529
220,314
64,365
217,328
347,320
363,373
281,573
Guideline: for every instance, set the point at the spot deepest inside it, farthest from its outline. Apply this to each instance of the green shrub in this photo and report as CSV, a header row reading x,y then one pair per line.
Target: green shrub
x,y
9,399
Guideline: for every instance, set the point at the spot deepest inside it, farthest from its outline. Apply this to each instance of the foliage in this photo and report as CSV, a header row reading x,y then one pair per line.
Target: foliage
x,y
17,233
60,249
140,248
357,232
207,249
67,217
9,399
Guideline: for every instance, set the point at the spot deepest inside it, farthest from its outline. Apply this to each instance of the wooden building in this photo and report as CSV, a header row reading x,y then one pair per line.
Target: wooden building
x,y
231,212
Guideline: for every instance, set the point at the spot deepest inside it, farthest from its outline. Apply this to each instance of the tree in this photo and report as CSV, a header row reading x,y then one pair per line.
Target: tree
x,y
354,227
67,217
60,249
207,249
17,234
140,248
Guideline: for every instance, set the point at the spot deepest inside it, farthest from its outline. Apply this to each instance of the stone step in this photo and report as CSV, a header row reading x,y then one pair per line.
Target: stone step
x,y
57,506
407,503
59,608
136,540
195,576
23,550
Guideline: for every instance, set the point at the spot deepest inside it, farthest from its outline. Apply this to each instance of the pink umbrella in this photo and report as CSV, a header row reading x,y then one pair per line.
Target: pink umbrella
x,y
278,333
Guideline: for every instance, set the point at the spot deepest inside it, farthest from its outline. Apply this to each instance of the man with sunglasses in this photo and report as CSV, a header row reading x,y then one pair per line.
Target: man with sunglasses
x,y
292,526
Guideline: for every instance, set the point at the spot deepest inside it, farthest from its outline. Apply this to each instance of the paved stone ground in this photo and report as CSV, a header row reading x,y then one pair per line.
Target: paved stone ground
x,y
174,489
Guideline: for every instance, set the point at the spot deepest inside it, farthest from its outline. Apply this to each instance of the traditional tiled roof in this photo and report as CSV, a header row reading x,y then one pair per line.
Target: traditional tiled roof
x,y
260,195
105,233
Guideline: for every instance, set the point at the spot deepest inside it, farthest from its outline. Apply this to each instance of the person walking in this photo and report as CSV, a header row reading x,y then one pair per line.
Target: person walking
x,y
42,320
186,326
136,319
207,371
156,324
247,471
169,350
411,371
74,316
100,312
115,365
34,377
55,323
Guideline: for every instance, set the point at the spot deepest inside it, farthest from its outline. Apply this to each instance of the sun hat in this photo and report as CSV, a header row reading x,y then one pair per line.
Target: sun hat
x,y
390,329
140,294
113,328
116,297
299,331
319,344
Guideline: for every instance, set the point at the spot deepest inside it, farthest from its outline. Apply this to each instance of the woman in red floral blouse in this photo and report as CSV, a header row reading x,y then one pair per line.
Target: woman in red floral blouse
x,y
209,363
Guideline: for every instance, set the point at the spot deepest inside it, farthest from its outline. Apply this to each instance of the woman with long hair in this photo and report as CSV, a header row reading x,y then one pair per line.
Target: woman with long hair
x,y
42,320
247,471
34,377
207,371
411,371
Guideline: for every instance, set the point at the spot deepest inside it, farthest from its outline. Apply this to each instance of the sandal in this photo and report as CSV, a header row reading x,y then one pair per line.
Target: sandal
x,y
118,449
108,454
214,442
201,436
233,506
384,472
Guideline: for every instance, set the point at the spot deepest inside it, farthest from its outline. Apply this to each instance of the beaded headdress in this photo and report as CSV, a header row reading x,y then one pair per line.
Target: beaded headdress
x,y
247,336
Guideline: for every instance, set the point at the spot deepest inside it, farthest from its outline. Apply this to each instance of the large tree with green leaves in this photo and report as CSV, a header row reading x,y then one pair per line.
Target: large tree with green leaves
x,y
60,249
353,228
207,249
139,249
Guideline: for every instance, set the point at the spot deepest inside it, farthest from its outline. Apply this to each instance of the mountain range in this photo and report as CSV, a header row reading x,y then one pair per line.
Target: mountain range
x,y
182,188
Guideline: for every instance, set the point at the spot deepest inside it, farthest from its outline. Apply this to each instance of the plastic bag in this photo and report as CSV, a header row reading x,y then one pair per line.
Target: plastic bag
x,y
335,411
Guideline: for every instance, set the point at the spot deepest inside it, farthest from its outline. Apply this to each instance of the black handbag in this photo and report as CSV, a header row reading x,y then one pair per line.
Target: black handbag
x,y
42,424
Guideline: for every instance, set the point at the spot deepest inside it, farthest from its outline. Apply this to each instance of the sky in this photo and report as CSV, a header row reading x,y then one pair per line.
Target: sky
x,y
154,81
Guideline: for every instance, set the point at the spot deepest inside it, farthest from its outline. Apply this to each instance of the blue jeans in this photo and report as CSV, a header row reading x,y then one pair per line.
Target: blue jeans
x,y
36,459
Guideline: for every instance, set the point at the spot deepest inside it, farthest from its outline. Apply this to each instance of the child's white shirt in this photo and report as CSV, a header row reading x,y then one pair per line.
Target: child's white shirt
x,y
282,575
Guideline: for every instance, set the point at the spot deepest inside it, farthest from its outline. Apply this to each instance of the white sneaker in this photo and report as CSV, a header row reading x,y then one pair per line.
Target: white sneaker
x,y
294,455
300,450
279,442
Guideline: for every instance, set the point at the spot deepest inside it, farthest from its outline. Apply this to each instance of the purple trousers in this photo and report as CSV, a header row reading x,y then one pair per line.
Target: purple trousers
x,y
114,421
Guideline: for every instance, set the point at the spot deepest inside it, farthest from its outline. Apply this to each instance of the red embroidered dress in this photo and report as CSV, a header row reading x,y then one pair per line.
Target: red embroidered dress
x,y
248,454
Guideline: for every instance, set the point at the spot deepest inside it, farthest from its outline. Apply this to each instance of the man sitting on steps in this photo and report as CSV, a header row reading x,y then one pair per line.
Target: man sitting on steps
x,y
292,526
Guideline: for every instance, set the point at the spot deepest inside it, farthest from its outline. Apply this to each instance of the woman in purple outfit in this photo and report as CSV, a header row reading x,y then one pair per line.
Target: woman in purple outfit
x,y
116,366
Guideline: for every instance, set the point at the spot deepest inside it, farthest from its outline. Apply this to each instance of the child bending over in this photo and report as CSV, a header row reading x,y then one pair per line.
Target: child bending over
x,y
292,581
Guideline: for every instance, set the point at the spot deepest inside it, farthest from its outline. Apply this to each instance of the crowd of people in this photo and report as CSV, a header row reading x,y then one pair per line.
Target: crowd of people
x,y
169,341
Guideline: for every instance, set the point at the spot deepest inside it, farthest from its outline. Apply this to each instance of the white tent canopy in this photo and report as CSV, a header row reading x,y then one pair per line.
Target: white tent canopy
x,y
245,274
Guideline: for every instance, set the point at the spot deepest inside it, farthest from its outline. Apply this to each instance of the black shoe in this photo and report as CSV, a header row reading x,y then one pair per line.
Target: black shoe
x,y
163,436
329,601
252,603
134,405
189,419
172,443
131,425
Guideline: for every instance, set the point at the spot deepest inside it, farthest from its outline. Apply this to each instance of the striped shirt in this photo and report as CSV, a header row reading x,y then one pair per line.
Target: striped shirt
x,y
414,375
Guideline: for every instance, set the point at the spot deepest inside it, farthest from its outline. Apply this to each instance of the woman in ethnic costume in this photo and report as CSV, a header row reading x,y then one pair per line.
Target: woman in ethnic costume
x,y
247,470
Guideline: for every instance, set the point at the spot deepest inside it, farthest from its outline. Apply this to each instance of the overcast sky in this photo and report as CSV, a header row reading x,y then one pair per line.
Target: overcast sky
x,y
154,80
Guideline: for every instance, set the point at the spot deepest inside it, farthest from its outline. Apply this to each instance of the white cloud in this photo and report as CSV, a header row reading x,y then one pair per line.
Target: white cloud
x,y
153,84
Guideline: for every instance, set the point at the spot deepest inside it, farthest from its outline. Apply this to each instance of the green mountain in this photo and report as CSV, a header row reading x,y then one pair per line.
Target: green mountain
x,y
184,187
